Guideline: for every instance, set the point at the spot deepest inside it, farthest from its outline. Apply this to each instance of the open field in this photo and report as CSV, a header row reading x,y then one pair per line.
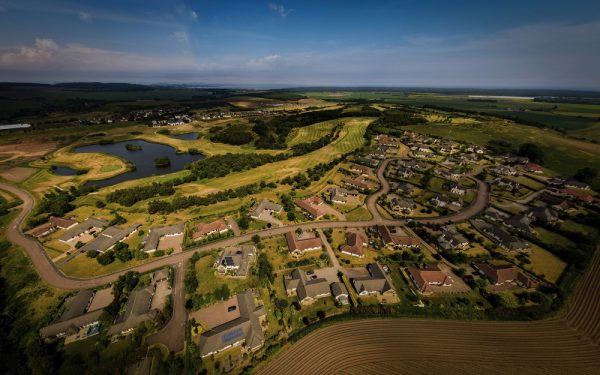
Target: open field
x,y
578,119
399,346
309,133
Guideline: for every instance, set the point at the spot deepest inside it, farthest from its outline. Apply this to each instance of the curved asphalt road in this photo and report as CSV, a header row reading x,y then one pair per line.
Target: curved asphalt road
x,y
53,276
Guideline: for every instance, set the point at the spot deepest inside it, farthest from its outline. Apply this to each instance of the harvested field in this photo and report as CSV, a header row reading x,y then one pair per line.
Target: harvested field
x,y
27,149
17,174
567,345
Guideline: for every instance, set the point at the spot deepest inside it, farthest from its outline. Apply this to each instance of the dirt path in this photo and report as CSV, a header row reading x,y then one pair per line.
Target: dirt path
x,y
334,260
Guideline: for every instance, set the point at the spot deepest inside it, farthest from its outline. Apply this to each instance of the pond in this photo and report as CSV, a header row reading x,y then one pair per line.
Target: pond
x,y
186,136
65,171
142,159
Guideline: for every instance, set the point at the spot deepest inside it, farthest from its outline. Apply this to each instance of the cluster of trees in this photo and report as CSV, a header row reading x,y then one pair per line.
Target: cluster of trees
x,y
179,203
391,121
162,162
264,270
303,180
222,165
129,197
288,206
57,203
233,135
531,151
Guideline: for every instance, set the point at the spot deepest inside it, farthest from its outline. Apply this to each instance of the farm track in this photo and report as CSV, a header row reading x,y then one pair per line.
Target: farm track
x,y
566,345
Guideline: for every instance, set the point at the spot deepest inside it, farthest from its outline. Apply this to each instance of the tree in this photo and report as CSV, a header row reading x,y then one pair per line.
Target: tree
x,y
531,151
92,254
256,239
106,258
586,175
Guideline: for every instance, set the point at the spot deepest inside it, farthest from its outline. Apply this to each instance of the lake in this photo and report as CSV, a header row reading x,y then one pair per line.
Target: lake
x,y
64,171
186,136
142,159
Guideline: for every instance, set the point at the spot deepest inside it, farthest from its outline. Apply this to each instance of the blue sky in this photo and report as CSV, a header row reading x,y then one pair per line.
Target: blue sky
x,y
347,43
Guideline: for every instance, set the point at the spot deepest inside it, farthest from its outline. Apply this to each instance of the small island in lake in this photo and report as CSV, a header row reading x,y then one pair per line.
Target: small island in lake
x,y
133,147
162,162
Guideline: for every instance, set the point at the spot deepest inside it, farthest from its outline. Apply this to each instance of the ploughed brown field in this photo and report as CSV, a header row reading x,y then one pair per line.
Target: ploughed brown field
x,y
570,345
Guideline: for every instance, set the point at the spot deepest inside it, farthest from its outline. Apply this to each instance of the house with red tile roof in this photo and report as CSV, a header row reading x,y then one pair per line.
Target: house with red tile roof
x,y
207,229
354,245
395,241
312,206
502,274
298,245
579,195
426,277
533,168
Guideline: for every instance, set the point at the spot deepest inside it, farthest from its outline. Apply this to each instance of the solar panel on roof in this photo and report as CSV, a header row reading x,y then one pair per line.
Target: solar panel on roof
x,y
233,335
229,261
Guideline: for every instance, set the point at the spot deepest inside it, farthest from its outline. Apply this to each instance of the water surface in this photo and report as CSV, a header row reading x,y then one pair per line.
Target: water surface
x,y
142,159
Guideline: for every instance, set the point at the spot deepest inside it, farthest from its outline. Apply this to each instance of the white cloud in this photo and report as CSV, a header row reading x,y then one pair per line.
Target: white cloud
x,y
265,62
180,36
85,16
47,56
280,9
194,15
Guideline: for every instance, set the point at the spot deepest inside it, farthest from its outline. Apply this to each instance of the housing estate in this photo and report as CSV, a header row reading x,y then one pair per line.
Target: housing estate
x,y
235,261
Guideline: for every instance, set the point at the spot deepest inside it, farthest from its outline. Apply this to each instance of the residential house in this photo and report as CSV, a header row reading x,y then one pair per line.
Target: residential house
x,y
265,207
355,242
235,261
426,277
368,162
154,237
503,170
404,172
237,322
441,201
361,169
520,222
574,184
312,206
451,239
138,310
506,184
90,226
558,203
502,274
80,318
340,195
359,183
385,140
377,283
340,293
404,188
203,230
405,206
543,214
502,237
395,241
578,195
299,244
456,189
109,237
306,286
54,223
533,168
